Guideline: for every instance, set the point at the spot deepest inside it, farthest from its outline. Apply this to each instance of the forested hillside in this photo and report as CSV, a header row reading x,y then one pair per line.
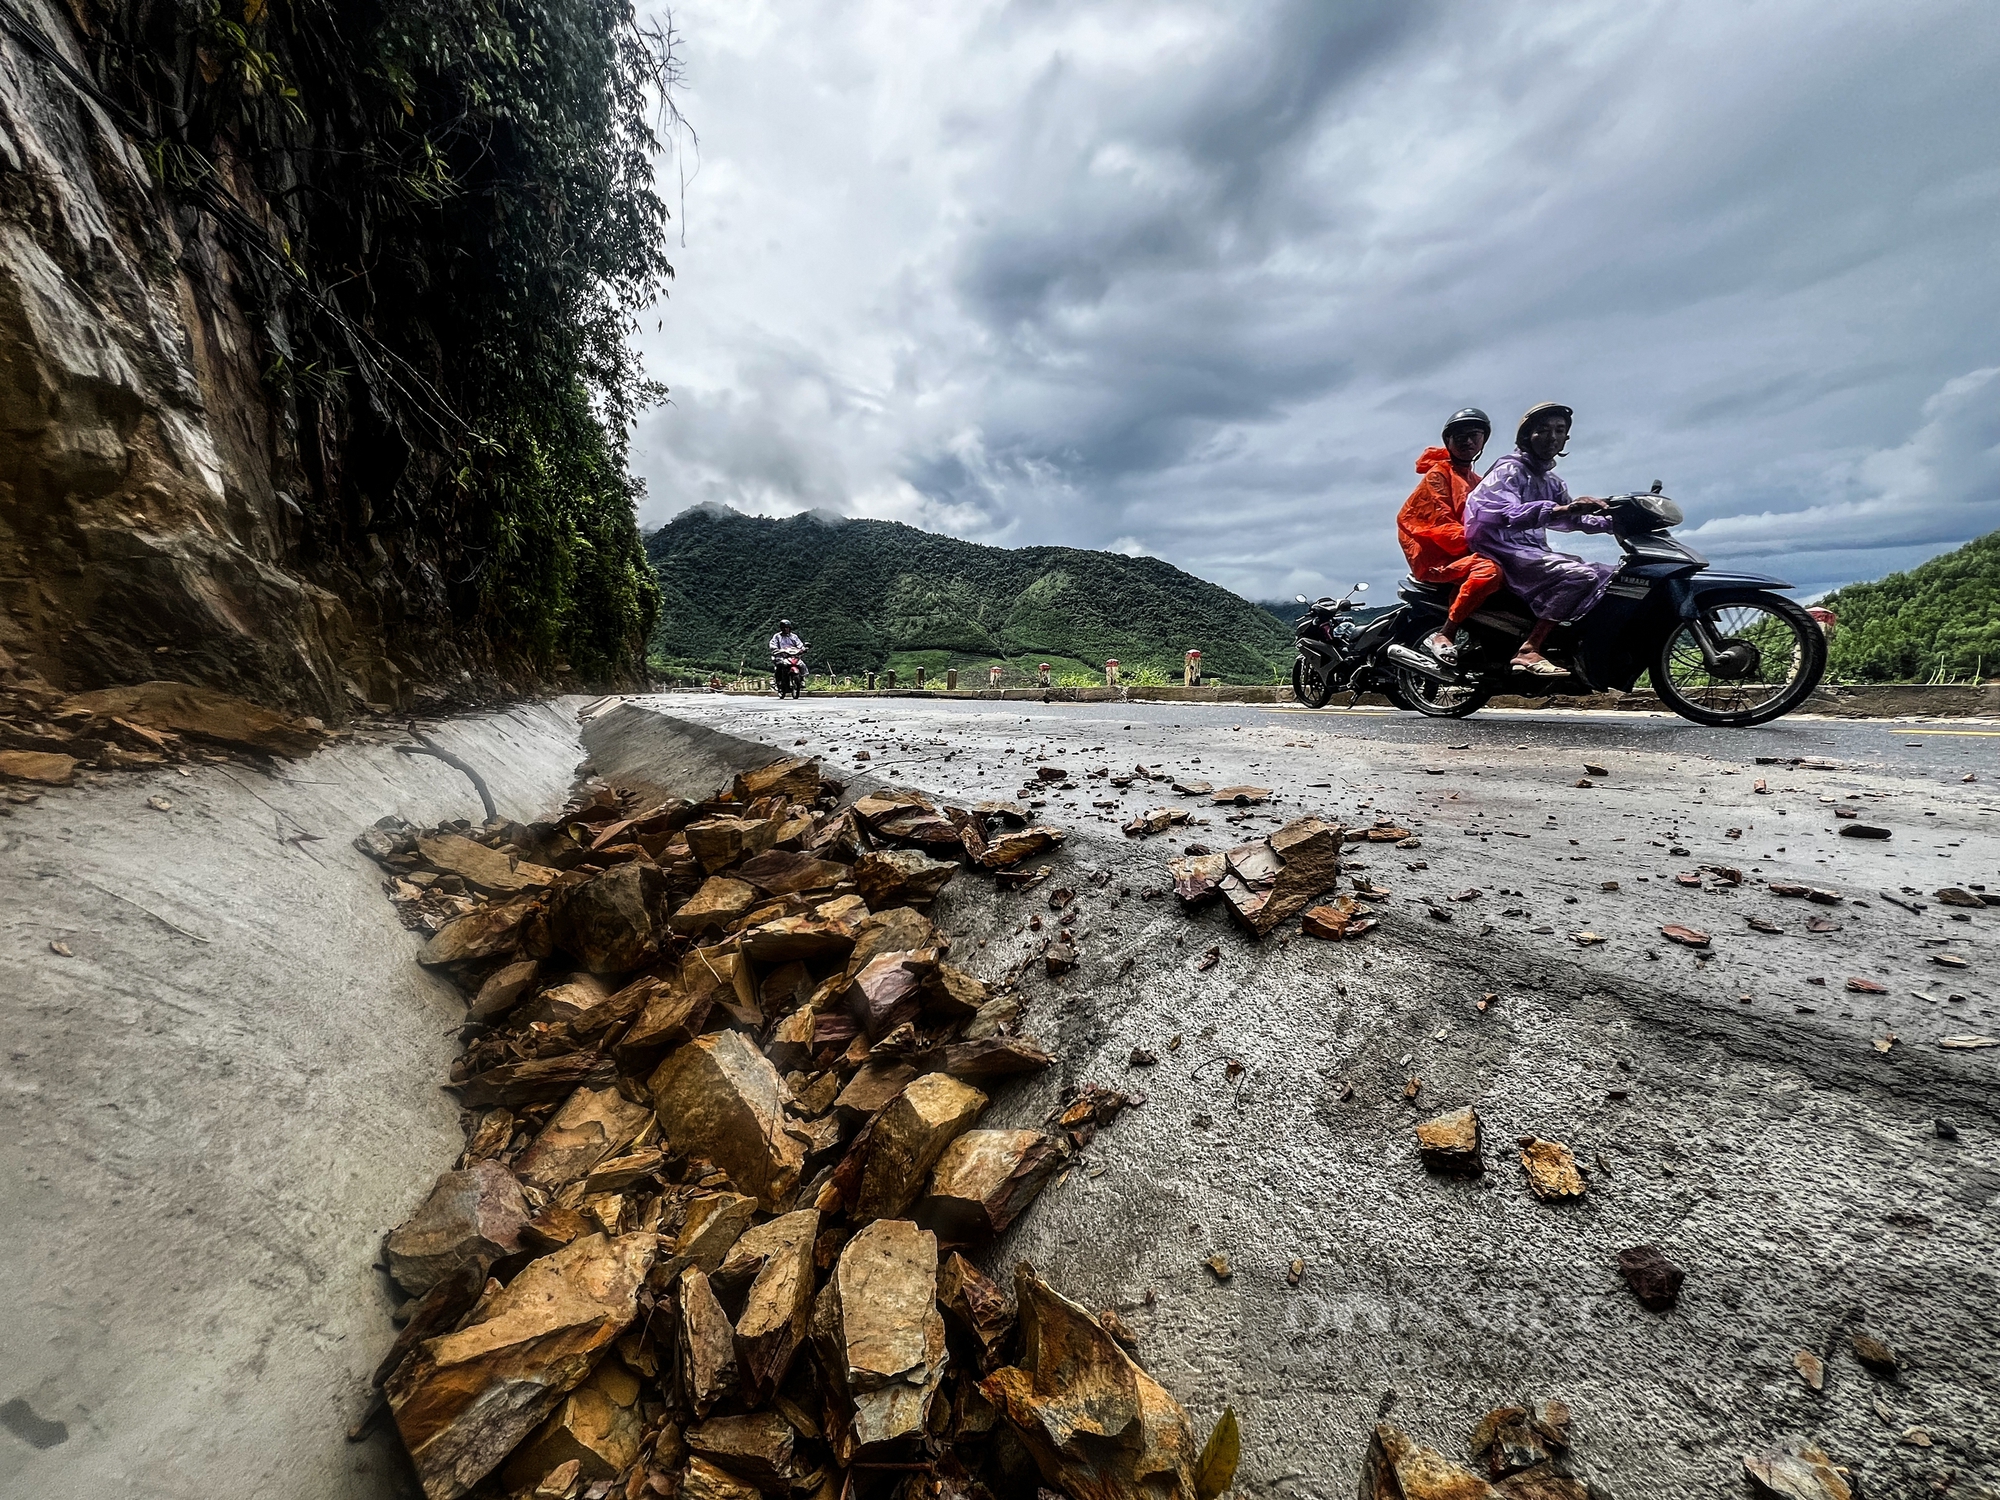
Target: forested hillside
x,y
875,594
1942,617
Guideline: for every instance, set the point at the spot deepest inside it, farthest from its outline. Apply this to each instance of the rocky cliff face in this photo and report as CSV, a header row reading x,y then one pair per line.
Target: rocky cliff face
x,y
148,523
312,383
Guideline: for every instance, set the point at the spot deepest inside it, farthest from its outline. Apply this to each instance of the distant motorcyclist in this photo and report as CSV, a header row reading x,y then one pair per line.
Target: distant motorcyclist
x,y
1431,525
1508,516
788,667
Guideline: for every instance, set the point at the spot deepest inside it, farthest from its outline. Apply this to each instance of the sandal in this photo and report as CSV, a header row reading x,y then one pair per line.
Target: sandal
x,y
1539,666
1444,649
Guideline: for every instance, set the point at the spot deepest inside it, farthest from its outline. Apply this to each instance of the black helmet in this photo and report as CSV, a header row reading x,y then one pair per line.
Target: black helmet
x,y
784,624
1470,416
1539,409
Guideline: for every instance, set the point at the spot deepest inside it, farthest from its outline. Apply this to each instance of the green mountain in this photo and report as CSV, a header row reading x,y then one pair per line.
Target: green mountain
x,y
870,595
1941,618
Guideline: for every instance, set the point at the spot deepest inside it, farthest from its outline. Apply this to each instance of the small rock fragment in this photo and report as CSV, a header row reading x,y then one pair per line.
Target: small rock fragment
x,y
984,1180
714,1222
465,1400
719,902
592,1125
1873,1353
1274,880
43,767
1797,1471
707,1343
1074,1385
757,1449
1654,1280
719,1097
777,1257
606,922
879,1335
503,989
473,1215
1811,1369
1508,1440
1451,1142
1552,1171
900,877
1399,1468
597,1429
908,1137
978,1304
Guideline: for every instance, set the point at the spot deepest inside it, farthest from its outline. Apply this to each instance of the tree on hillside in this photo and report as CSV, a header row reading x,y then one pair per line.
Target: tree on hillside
x,y
1940,618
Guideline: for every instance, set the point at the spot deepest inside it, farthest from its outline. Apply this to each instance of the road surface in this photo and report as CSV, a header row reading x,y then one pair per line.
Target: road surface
x,y
1809,1153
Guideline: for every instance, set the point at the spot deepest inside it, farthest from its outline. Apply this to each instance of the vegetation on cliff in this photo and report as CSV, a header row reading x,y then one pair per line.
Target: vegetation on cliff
x,y
444,221
1939,621
874,594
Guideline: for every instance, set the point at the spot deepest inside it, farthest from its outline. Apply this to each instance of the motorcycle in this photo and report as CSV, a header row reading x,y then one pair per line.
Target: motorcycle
x,y
788,672
1722,648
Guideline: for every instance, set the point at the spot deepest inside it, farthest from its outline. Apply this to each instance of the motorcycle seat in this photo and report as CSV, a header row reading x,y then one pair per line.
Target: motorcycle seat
x,y
1415,591
1501,610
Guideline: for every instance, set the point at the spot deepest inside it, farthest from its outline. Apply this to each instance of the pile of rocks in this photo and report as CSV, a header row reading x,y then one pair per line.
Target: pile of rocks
x,y
722,1090
1267,882
48,735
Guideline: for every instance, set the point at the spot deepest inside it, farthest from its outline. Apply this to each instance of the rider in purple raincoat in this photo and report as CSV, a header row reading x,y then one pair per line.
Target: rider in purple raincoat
x,y
1508,516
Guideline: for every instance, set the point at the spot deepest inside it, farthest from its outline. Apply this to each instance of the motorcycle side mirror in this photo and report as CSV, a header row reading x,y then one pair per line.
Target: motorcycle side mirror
x,y
1360,588
1658,485
1301,598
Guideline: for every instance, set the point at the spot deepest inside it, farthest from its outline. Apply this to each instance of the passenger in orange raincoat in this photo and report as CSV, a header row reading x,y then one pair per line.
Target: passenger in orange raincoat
x,y
1431,525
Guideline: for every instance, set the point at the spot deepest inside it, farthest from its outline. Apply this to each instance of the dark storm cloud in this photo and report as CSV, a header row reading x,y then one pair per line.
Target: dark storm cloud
x,y
1201,280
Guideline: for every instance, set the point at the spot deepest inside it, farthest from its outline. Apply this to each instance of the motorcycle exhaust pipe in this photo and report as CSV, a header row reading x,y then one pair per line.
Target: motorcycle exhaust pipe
x,y
1416,661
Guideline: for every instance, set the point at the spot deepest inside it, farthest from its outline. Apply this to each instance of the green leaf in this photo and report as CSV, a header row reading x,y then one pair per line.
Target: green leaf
x,y
1216,1470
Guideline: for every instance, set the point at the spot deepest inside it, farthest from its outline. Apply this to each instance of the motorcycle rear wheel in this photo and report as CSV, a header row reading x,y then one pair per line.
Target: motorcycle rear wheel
x,y
1440,700
1309,686
1790,647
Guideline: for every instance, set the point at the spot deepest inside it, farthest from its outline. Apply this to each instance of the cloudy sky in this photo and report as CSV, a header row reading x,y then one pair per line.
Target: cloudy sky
x,y
1199,280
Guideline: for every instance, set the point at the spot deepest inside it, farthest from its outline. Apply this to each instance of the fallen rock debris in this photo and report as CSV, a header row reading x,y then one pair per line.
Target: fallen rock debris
x,y
1653,1279
1518,1453
1451,1142
721,1089
47,735
1797,1471
1551,1169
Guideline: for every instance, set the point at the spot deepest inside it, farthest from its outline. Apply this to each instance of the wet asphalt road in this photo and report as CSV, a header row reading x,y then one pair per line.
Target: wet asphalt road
x,y
1498,809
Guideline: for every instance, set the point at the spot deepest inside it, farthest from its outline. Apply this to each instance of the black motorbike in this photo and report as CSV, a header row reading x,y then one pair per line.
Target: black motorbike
x,y
1721,648
788,671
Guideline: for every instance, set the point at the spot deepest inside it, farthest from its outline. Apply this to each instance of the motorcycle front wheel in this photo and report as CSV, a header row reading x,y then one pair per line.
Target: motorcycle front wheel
x,y
1309,685
1780,651
1439,700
